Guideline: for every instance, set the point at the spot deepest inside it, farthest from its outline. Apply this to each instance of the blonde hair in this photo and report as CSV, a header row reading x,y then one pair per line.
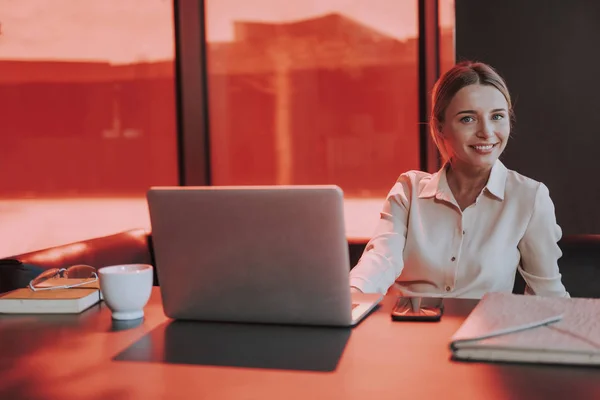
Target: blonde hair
x,y
461,75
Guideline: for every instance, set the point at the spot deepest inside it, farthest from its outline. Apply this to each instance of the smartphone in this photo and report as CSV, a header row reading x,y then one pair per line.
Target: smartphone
x,y
426,309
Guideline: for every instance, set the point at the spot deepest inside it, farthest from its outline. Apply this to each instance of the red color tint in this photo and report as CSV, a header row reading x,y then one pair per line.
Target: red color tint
x,y
77,128
87,95
323,99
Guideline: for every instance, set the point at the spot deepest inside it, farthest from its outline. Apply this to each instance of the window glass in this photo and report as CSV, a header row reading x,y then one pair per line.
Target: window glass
x,y
315,93
88,117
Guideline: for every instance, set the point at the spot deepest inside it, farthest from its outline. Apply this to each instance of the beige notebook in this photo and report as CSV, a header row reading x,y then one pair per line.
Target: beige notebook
x,y
531,329
59,301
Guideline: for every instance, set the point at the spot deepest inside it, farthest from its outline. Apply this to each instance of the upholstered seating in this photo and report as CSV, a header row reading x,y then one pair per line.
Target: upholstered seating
x,y
579,265
127,247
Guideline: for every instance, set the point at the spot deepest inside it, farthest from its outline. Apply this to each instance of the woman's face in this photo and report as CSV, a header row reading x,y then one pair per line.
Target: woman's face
x,y
476,126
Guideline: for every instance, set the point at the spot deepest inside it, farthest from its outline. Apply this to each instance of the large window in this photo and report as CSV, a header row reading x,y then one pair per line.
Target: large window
x,y
314,93
88,117
306,93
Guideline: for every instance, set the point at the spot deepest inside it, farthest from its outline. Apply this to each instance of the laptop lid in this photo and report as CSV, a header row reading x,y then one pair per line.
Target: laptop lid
x,y
270,254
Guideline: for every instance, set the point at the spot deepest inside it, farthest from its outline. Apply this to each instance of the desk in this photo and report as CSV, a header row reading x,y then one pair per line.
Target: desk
x,y
88,356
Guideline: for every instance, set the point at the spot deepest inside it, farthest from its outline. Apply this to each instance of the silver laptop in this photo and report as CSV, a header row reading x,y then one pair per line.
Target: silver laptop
x,y
266,254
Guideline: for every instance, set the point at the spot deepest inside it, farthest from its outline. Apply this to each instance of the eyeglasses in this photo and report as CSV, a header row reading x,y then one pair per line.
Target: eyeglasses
x,y
64,278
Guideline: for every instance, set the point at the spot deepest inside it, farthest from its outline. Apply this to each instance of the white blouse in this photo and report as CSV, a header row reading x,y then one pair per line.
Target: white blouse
x,y
429,247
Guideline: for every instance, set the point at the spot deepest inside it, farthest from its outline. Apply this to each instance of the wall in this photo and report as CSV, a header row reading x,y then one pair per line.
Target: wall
x,y
547,52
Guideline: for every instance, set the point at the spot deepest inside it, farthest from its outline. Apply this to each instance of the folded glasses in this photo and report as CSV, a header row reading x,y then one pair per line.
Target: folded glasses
x,y
64,278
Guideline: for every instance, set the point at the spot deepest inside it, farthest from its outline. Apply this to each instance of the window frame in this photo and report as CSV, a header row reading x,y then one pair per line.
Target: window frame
x,y
193,128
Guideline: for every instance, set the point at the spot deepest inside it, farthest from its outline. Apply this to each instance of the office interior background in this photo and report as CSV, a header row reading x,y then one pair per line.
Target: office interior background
x,y
101,100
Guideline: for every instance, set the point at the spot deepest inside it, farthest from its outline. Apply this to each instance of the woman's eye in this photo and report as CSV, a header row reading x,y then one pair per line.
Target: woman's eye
x,y
497,117
467,119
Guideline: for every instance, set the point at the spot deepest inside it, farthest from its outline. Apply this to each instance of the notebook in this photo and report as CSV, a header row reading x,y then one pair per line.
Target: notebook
x,y
506,327
59,301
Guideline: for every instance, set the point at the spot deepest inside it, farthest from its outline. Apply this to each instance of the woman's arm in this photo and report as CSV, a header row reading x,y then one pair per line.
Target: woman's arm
x,y
381,262
539,249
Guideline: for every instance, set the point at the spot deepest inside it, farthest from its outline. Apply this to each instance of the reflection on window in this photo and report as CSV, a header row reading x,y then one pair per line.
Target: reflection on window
x,y
314,93
446,23
87,98
320,96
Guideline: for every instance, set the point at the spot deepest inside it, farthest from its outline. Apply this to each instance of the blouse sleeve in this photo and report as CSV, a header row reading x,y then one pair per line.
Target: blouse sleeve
x,y
539,249
382,261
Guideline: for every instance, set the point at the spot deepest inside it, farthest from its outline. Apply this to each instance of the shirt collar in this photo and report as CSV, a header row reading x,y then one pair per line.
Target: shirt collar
x,y
497,181
431,188
438,184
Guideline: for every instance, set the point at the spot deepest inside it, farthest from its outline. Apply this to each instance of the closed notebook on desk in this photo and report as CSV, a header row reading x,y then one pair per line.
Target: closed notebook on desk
x,y
507,327
58,301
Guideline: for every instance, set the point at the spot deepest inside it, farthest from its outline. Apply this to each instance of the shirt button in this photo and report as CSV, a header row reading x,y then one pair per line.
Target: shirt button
x,y
453,259
448,288
464,232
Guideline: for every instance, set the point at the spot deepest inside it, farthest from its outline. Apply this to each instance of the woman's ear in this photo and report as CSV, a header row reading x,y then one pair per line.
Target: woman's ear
x,y
440,128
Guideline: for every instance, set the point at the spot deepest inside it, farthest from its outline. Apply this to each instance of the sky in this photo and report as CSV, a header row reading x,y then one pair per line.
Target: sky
x,y
124,31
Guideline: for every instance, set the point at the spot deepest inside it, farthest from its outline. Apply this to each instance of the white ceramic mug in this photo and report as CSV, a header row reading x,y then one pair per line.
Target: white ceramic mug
x,y
126,289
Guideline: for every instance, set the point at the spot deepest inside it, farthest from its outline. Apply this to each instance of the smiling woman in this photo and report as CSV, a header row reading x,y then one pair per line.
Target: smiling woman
x,y
470,126
465,230
468,92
